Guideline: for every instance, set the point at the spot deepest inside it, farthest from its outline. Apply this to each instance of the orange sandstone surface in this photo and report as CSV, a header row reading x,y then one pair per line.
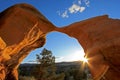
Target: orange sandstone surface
x,y
100,38
23,28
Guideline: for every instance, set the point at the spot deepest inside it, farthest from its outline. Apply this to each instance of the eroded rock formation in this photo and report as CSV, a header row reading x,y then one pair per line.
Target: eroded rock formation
x,y
100,38
23,28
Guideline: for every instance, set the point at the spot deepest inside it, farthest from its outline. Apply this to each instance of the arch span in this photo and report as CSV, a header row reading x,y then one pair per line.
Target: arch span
x,y
99,37
23,28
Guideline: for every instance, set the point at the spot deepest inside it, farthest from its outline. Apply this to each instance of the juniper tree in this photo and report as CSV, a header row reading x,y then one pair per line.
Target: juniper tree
x,y
46,68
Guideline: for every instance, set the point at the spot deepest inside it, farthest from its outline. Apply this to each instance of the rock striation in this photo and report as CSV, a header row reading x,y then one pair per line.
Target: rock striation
x,y
23,28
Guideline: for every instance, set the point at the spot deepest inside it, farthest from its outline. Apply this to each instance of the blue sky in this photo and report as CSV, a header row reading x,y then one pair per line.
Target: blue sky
x,y
62,13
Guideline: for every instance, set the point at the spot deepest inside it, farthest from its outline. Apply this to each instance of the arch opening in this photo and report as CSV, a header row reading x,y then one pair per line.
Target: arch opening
x,y
65,48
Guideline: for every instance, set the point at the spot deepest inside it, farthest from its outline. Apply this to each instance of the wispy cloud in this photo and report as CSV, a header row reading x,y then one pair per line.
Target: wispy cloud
x,y
87,2
74,8
65,14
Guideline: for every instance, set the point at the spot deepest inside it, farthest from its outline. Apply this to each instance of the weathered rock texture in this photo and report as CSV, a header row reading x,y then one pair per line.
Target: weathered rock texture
x,y
100,38
23,28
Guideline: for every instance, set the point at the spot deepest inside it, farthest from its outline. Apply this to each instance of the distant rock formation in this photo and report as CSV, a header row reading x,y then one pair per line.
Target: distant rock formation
x,y
23,28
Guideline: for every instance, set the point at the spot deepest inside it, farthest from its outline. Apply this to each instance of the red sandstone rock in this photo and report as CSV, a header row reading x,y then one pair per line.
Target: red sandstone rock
x,y
17,20
23,28
100,38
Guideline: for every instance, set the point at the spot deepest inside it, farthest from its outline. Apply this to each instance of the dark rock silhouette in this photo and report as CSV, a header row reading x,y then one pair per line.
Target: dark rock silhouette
x,y
23,28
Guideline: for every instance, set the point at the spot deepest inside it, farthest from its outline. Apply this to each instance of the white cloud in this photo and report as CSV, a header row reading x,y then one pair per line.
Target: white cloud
x,y
76,8
87,2
65,14
82,9
58,12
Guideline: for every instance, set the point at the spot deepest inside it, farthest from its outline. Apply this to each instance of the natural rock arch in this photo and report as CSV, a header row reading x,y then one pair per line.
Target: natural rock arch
x,y
23,28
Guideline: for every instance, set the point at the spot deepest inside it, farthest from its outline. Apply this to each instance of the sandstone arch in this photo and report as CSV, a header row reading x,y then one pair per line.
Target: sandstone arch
x,y
100,40
23,28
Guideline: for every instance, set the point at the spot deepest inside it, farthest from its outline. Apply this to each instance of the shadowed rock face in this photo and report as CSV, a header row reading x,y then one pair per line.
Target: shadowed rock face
x,y
23,28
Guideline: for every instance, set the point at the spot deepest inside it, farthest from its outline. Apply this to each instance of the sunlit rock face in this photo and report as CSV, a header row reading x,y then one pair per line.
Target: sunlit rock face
x,y
23,28
100,38
17,20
